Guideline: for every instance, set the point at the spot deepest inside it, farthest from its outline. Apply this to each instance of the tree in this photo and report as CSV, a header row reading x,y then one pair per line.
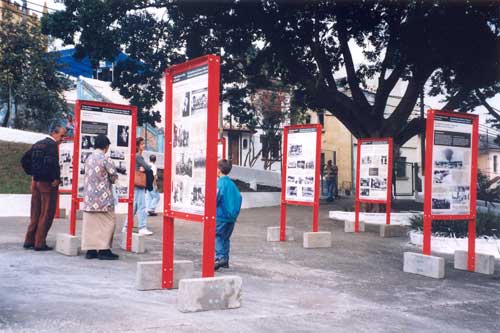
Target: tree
x,y
305,44
29,80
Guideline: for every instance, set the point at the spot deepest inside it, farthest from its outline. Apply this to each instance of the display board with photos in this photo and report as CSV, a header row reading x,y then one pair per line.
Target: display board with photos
x,y
66,166
374,169
115,121
452,164
189,144
301,158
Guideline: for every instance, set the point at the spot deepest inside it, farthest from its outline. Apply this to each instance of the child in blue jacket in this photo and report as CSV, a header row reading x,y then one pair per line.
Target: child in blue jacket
x,y
228,209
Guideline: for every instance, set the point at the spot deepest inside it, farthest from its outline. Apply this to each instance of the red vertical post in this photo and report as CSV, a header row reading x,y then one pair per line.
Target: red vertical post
x,y
389,183
429,142
58,208
316,179
471,262
356,199
76,170
209,222
283,185
168,221
131,187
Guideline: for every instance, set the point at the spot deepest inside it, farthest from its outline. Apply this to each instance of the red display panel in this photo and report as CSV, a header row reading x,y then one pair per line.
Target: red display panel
x,y
300,171
451,152
119,123
374,175
191,137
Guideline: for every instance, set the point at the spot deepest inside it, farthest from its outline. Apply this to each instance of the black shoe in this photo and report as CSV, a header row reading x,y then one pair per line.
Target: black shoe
x,y
43,248
152,213
222,263
28,246
91,254
107,255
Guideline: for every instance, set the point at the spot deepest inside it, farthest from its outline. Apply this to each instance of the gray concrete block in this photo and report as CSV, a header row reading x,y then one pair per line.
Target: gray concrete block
x,y
138,242
79,214
148,275
312,240
393,230
422,264
484,263
349,226
370,227
273,234
67,244
204,294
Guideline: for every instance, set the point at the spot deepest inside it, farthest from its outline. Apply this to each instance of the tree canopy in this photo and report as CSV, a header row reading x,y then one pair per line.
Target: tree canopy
x,y
307,45
29,79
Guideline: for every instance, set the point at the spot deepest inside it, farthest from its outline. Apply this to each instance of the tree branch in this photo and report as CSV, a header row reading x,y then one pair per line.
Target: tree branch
x,y
414,127
454,101
357,94
488,107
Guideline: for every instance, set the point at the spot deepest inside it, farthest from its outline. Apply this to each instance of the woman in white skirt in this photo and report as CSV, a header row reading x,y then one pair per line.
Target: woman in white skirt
x,y
98,203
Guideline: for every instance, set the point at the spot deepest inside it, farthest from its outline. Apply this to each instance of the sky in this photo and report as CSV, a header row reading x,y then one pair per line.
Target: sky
x,y
433,102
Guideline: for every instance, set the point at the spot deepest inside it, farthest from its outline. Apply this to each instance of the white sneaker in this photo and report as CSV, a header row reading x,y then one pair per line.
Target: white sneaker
x,y
145,231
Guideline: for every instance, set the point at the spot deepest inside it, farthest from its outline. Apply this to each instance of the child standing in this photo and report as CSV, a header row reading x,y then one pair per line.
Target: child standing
x,y
228,209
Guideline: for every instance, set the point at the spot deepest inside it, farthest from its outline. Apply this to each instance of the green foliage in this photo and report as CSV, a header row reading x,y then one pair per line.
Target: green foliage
x,y
487,224
450,45
28,76
12,176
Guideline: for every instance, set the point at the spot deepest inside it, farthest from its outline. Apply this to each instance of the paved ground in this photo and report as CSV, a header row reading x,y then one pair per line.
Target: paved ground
x,y
357,285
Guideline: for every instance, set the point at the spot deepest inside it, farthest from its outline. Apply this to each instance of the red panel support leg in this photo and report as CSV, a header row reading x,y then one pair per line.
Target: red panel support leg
x,y
316,217
471,262
207,269
72,221
167,276
427,235
356,216
130,225
283,222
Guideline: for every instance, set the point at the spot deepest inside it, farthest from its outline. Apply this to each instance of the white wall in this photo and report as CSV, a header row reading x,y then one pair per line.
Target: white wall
x,y
15,135
263,177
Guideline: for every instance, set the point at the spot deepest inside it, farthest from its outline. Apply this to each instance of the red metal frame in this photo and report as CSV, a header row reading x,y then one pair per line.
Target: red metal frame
x,y
223,142
75,200
284,202
208,219
388,199
428,216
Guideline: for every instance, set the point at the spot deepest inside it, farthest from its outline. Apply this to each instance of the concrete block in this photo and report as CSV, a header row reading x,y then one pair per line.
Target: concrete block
x,y
67,244
273,234
318,239
370,227
422,264
79,214
484,263
349,226
138,242
204,294
148,275
393,230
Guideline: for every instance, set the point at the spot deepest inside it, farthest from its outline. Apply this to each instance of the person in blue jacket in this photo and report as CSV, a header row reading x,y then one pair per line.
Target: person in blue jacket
x,y
228,209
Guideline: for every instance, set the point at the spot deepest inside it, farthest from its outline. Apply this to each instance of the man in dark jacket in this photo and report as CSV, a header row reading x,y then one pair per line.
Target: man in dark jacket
x,y
45,172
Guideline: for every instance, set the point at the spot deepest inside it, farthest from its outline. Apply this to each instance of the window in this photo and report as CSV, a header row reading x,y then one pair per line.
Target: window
x,y
400,167
245,143
495,163
271,147
321,118
334,158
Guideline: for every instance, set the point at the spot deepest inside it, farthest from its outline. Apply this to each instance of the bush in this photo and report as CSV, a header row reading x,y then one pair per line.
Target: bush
x,y
487,224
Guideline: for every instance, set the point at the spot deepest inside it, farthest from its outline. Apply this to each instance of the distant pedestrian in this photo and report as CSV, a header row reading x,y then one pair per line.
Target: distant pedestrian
x,y
139,191
331,176
42,163
99,222
152,196
228,209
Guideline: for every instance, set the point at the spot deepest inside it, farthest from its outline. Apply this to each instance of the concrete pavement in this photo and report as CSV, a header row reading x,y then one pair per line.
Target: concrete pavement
x,y
356,285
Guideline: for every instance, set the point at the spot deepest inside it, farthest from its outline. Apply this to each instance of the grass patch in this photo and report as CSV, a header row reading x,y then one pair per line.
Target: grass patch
x,y
487,224
13,180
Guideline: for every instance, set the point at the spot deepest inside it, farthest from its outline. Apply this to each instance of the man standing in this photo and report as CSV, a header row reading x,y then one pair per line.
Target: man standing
x,y
152,196
43,161
331,174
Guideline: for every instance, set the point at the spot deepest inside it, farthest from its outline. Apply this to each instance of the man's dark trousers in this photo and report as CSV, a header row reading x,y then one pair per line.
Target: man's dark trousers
x,y
43,209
